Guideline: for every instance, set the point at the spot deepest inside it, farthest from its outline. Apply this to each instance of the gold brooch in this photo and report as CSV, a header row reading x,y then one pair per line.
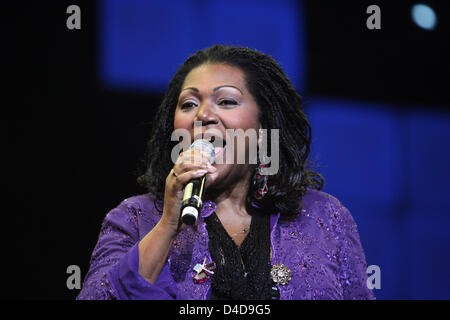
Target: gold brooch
x,y
280,274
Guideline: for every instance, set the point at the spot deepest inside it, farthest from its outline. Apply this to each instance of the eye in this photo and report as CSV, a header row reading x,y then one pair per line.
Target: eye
x,y
188,104
227,102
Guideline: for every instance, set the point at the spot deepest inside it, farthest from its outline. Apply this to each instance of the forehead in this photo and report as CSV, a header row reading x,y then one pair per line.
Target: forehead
x,y
213,75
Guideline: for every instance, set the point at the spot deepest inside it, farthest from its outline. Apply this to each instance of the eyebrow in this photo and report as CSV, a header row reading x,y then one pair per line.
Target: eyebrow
x,y
215,89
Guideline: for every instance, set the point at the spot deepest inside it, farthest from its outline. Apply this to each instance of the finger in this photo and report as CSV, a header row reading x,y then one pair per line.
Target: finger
x,y
210,177
192,160
195,155
182,179
183,166
207,169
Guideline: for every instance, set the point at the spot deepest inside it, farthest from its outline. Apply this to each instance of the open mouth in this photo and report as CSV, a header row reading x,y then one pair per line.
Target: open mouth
x,y
216,140
218,143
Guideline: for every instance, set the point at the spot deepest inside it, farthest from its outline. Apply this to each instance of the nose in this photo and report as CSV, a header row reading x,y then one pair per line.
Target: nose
x,y
206,115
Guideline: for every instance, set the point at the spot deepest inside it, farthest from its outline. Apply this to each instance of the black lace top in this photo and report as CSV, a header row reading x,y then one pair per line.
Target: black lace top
x,y
241,273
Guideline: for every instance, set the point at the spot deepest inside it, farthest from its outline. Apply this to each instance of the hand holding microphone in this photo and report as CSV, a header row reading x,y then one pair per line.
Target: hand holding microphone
x,y
194,189
186,183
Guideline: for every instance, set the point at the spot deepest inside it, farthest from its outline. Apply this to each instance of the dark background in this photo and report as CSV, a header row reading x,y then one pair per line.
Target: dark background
x,y
75,142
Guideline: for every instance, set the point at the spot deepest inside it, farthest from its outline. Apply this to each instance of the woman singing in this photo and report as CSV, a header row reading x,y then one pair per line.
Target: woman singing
x,y
258,236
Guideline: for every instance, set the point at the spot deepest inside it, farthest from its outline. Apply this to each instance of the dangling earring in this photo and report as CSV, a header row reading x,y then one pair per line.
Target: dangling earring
x,y
260,181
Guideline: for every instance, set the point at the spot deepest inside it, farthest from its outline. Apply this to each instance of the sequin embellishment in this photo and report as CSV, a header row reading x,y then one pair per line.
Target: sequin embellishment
x,y
280,274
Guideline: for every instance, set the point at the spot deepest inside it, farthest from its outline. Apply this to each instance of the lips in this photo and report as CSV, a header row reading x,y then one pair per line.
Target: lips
x,y
217,141
218,151
219,145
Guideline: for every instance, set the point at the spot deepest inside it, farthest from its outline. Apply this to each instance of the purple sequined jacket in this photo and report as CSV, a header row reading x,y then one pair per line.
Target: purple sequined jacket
x,y
321,247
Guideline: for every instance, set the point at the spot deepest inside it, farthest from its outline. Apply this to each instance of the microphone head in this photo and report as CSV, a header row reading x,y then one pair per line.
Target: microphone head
x,y
206,146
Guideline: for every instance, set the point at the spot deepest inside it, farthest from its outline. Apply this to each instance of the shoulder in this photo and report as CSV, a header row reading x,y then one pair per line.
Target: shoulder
x,y
327,209
314,197
143,206
141,202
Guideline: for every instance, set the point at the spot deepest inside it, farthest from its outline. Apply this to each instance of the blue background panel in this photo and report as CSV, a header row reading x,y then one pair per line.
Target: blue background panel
x,y
429,192
144,42
390,169
430,258
385,241
354,145
388,165
429,145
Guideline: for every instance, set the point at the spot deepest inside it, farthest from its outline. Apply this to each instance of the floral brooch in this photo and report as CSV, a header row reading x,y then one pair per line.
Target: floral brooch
x,y
280,274
203,271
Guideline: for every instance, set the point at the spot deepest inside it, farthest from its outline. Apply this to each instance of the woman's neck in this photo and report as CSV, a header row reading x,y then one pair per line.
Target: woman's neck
x,y
232,198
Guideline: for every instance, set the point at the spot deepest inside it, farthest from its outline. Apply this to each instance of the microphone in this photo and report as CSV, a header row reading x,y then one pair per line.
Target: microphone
x,y
194,189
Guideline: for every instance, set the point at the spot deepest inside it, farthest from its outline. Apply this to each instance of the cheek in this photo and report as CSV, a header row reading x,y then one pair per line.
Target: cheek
x,y
246,119
182,121
243,119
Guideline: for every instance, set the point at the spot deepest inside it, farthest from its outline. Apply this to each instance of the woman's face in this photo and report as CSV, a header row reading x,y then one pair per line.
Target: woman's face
x,y
216,95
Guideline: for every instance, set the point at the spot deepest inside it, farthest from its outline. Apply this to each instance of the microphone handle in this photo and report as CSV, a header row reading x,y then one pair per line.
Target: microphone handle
x,y
192,200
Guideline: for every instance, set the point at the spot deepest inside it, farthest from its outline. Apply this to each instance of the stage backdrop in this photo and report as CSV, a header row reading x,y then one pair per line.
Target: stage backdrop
x,y
84,102
378,143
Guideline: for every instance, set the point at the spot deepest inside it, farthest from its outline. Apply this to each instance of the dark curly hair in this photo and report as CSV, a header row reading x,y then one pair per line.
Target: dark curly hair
x,y
280,107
